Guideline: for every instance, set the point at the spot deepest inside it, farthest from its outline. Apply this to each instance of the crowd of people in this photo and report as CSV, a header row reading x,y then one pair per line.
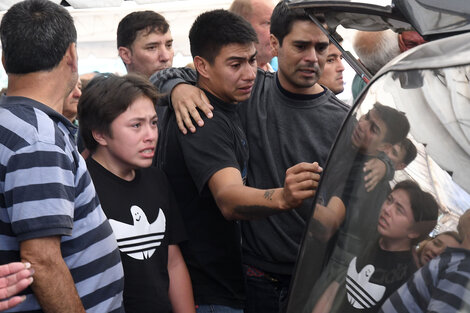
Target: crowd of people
x,y
112,200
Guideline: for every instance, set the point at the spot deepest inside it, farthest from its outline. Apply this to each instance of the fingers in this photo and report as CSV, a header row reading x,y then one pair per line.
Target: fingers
x,y
180,123
371,180
185,101
12,268
205,105
185,111
5,305
18,279
304,167
301,182
302,177
15,288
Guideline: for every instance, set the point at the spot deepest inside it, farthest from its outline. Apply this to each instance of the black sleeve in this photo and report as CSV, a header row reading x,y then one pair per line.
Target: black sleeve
x,y
165,80
390,169
209,150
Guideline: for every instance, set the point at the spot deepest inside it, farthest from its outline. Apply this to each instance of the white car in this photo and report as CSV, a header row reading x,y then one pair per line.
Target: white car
x,y
339,268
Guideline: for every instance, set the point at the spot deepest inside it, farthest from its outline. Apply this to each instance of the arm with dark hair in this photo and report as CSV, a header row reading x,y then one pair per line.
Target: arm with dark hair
x,y
176,84
53,285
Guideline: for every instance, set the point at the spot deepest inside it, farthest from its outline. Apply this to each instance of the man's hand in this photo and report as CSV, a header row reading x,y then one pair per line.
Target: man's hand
x,y
301,183
14,277
377,170
185,99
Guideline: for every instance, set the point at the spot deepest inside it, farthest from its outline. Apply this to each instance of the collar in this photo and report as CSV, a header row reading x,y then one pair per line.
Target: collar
x,y
53,114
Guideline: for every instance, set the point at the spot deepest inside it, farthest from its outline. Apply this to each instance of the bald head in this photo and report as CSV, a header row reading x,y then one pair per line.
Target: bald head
x,y
375,49
258,14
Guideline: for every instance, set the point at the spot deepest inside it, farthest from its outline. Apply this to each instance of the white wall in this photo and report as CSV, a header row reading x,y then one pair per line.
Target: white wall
x,y
96,30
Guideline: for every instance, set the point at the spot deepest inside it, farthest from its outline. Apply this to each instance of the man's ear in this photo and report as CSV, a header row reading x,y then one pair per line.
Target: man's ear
x,y
125,54
202,66
274,45
71,57
99,137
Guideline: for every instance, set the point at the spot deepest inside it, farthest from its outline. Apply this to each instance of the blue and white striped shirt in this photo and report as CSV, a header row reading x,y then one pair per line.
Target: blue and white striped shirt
x,y
45,190
442,285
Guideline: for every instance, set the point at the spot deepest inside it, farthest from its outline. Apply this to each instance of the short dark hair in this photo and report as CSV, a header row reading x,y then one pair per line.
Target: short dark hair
x,y
397,123
215,29
35,35
423,205
410,151
284,17
134,22
105,98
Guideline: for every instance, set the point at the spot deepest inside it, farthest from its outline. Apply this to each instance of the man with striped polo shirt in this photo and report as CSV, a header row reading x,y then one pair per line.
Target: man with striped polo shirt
x,y
50,215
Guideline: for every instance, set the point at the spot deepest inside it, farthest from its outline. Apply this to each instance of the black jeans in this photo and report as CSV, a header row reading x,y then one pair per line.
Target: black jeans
x,y
266,293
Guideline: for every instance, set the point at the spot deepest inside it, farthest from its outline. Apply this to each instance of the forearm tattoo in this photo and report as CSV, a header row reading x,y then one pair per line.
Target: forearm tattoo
x,y
269,194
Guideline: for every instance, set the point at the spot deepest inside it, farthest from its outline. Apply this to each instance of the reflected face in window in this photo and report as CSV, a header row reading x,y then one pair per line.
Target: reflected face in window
x,y
369,133
396,154
436,246
396,217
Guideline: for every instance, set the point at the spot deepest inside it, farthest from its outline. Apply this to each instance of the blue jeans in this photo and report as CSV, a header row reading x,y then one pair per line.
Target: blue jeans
x,y
213,308
266,294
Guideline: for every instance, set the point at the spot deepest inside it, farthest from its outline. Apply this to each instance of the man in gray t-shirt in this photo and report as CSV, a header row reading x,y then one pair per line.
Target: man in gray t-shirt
x,y
288,119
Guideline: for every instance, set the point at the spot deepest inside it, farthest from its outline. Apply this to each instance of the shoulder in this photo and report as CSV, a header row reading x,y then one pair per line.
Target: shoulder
x,y
263,78
335,102
219,124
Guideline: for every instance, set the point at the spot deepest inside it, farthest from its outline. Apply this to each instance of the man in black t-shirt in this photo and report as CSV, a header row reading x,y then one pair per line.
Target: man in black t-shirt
x,y
208,168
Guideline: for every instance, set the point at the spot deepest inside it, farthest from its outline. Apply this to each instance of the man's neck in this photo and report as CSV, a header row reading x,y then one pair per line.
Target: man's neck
x,y
203,84
39,86
107,160
264,66
388,244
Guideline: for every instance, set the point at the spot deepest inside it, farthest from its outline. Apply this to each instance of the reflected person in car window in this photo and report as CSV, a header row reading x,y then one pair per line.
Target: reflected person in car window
x,y
345,208
343,190
406,217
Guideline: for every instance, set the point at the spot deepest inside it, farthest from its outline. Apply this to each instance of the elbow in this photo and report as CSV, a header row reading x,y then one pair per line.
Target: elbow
x,y
226,208
228,212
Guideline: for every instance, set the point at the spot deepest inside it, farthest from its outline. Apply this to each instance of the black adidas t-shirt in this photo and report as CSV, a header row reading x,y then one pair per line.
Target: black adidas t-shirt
x,y
145,220
373,277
